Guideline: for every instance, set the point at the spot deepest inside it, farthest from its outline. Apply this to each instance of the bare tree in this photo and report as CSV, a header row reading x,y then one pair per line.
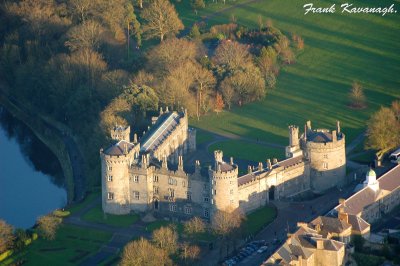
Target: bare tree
x,y
228,93
226,223
6,236
48,225
82,8
232,55
161,19
356,95
84,36
194,226
166,238
142,252
204,81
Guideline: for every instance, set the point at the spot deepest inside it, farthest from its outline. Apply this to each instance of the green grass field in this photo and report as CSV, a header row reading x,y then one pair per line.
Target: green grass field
x,y
96,215
247,150
339,49
258,219
71,246
88,199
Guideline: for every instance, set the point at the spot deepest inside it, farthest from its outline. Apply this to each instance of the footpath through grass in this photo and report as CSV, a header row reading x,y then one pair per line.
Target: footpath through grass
x,y
71,246
339,49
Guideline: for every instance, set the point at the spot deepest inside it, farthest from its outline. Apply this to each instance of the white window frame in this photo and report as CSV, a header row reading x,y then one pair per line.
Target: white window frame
x,y
188,210
136,195
136,179
109,178
155,179
110,195
155,190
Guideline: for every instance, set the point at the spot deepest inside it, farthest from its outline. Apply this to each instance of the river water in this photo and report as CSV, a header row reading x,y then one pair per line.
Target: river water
x,y
31,180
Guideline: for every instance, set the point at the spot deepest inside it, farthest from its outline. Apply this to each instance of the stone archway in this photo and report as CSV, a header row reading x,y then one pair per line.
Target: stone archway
x,y
271,193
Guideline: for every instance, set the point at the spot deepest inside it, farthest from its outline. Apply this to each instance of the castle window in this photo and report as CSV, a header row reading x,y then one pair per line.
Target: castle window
x,y
171,192
214,192
109,178
172,207
155,190
109,168
155,178
325,156
189,195
206,199
188,210
136,179
325,165
136,195
206,213
110,196
172,181
183,184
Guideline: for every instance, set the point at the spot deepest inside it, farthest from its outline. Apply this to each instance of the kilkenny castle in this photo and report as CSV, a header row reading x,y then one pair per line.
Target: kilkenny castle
x,y
148,175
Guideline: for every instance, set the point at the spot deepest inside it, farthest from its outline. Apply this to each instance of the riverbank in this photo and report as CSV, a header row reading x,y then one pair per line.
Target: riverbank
x,y
57,138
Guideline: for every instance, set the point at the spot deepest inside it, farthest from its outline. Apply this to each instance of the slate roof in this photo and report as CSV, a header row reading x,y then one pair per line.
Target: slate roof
x,y
329,224
119,148
165,124
319,136
357,223
387,183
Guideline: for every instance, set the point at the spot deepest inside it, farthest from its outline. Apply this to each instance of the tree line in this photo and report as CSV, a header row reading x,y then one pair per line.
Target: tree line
x,y
81,63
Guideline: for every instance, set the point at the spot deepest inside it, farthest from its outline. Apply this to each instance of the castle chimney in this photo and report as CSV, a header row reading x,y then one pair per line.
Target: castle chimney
x,y
342,201
308,123
135,138
320,243
274,161
144,161
249,169
231,161
269,166
144,132
338,126
148,127
186,111
260,166
167,110
305,132
197,166
180,162
342,215
125,148
164,162
334,136
161,111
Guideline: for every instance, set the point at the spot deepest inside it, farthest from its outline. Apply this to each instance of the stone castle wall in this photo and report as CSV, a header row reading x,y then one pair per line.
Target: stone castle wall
x,y
327,163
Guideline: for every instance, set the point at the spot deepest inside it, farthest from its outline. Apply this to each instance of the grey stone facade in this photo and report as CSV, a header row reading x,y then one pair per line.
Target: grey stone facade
x,y
137,177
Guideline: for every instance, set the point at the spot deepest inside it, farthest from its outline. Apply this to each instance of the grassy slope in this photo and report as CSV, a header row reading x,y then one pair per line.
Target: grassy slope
x,y
340,48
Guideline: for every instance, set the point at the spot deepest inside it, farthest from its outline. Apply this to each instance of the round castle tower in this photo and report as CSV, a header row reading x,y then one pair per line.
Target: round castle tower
x,y
223,184
115,164
327,155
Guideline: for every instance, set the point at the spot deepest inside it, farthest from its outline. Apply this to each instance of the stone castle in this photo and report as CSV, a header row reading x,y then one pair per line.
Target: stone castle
x,y
148,175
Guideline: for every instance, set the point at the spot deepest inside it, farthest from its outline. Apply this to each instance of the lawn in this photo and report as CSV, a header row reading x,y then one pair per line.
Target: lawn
x,y
247,150
96,215
259,219
71,246
203,137
365,158
339,49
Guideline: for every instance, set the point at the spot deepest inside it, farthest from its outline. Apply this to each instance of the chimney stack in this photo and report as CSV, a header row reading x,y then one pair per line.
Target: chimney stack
x,y
260,166
135,138
180,162
249,170
269,166
231,162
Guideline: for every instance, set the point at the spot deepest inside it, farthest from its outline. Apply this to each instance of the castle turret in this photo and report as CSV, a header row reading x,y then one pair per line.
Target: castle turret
x,y
115,162
121,133
326,152
224,184
293,150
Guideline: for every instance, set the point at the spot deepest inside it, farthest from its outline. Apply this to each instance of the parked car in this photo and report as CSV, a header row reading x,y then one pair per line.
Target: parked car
x,y
262,249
